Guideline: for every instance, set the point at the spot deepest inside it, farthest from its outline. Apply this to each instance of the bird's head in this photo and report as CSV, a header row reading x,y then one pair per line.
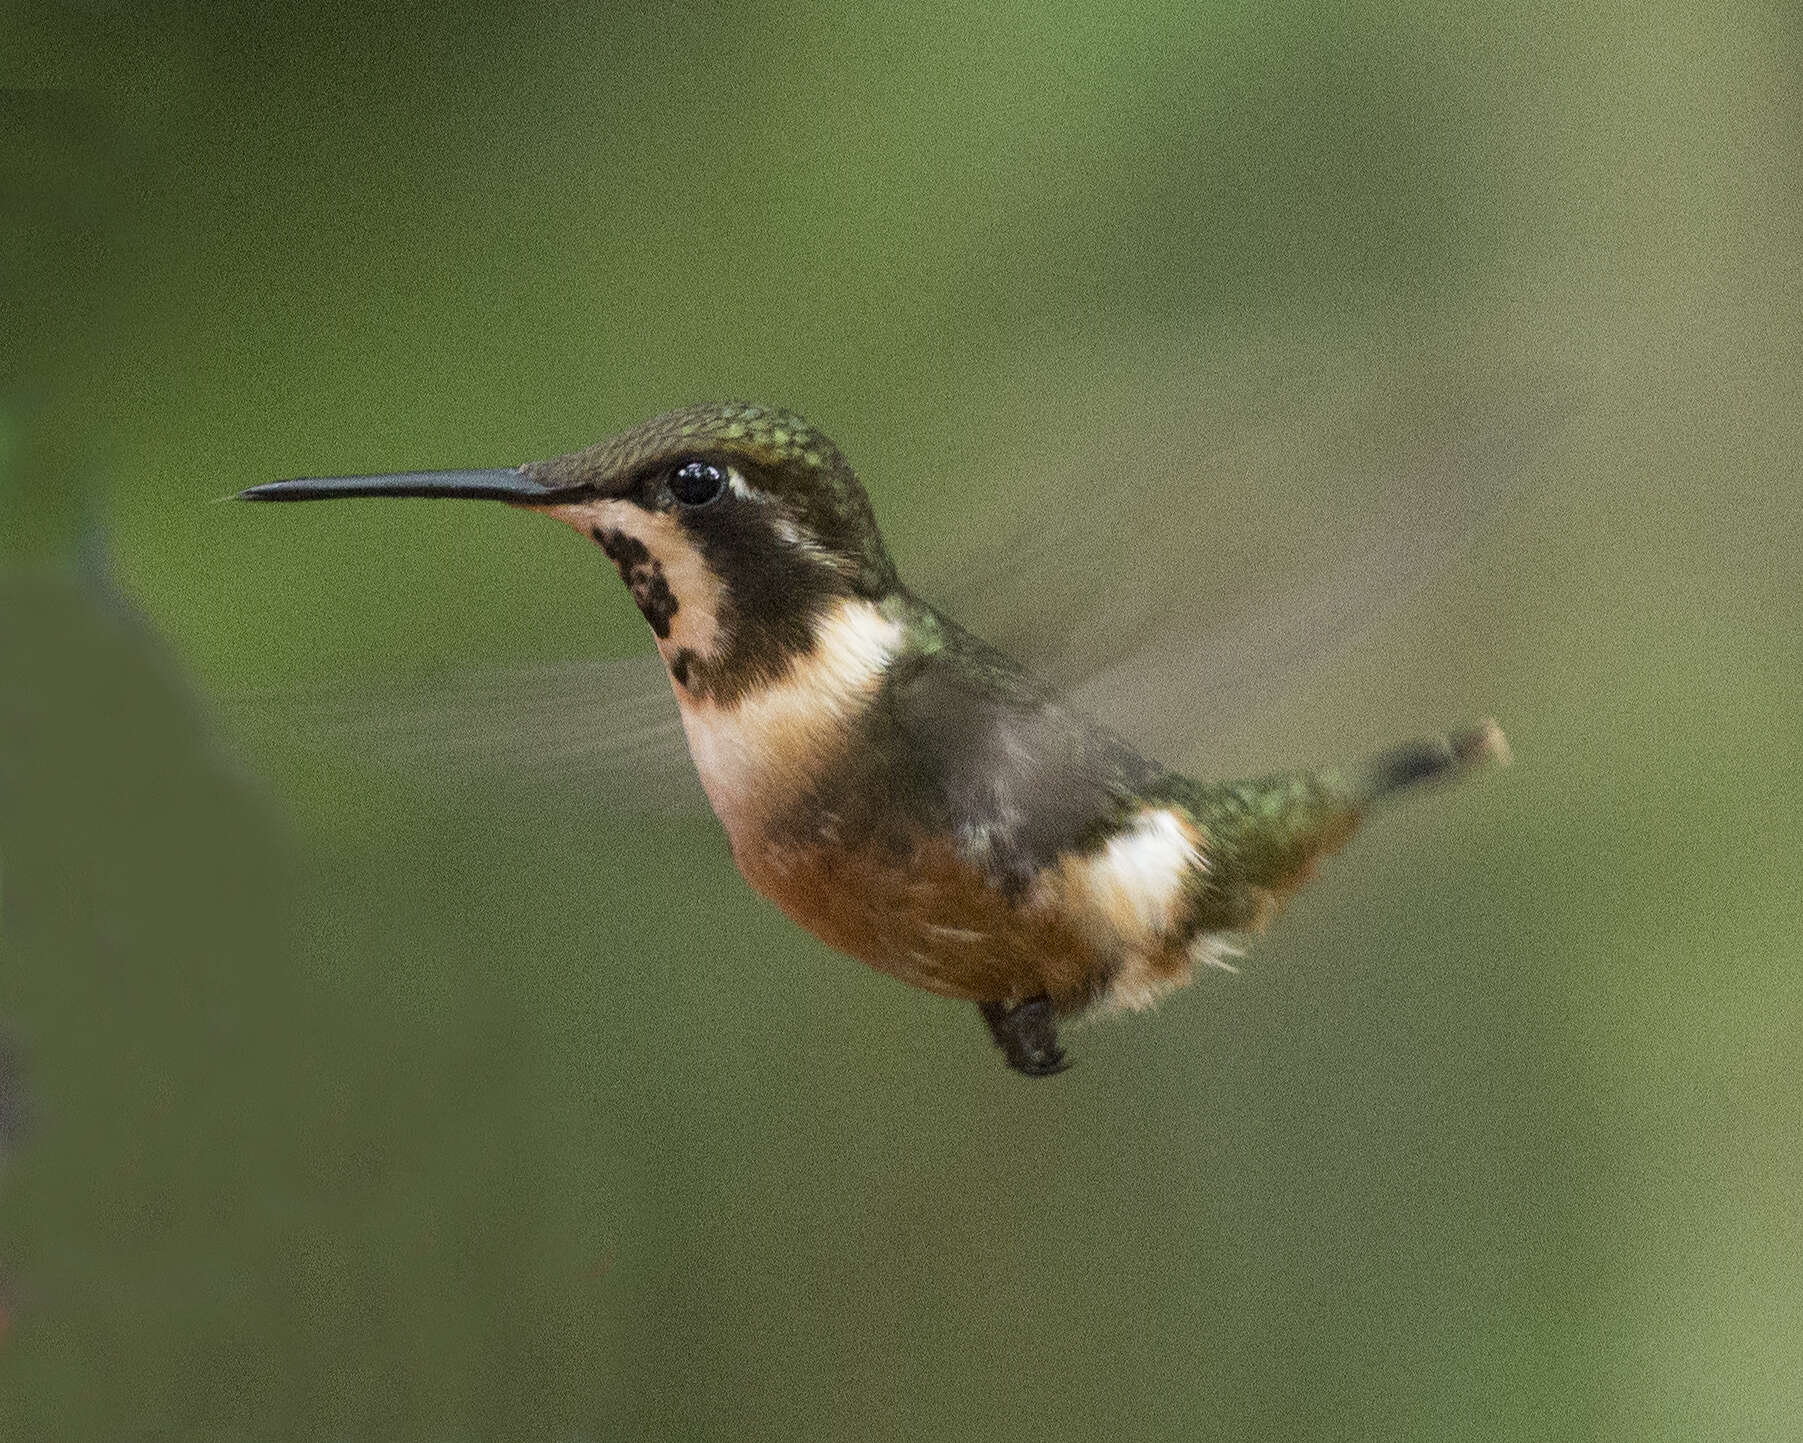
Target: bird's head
x,y
736,527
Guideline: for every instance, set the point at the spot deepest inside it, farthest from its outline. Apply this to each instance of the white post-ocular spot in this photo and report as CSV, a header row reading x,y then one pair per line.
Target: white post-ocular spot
x,y
740,486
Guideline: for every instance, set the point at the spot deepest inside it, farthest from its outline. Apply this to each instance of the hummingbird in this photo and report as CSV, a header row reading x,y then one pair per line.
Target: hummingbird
x,y
897,786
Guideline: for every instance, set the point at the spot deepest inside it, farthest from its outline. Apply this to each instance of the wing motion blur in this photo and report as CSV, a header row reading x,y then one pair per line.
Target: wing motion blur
x,y
1176,578
602,733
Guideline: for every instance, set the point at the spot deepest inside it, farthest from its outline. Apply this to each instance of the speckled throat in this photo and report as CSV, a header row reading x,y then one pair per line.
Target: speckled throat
x,y
736,587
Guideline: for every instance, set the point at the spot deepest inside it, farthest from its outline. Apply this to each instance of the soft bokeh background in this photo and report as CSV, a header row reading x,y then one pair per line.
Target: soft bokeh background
x,y
355,1108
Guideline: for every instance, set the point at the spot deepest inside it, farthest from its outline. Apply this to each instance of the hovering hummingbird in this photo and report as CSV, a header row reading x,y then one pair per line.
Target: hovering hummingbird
x,y
897,786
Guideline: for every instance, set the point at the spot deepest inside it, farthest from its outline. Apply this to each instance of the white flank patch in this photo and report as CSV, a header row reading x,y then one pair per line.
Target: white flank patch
x,y
1128,897
696,625
764,748
1136,881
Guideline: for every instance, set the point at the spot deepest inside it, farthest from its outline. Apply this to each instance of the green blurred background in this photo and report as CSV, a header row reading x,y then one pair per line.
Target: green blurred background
x,y
356,1108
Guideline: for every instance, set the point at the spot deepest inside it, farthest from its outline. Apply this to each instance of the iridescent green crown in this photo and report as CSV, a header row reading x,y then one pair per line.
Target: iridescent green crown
x,y
796,463
767,435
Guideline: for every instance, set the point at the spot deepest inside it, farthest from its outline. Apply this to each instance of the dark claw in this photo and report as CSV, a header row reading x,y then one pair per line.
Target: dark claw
x,y
1027,1033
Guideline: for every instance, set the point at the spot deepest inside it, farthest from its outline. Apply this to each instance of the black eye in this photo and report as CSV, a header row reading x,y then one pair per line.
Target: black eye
x,y
695,483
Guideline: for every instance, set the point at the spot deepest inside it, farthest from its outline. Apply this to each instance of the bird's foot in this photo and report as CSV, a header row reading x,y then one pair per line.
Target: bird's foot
x,y
1027,1033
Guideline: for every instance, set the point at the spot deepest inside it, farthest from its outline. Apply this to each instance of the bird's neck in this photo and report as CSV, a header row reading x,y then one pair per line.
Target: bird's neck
x,y
773,650
763,748
733,612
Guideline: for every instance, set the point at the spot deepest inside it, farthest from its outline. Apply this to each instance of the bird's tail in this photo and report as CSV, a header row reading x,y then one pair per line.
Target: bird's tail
x,y
1264,837
1443,759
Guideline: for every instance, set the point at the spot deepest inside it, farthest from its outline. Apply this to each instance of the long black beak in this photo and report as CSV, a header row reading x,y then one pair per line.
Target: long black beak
x,y
515,484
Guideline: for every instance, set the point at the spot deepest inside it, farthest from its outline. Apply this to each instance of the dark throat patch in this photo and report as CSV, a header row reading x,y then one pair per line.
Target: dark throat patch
x,y
643,575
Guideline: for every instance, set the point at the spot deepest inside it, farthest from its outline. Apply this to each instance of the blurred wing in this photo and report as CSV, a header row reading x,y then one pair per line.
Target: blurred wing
x,y
598,733
1182,573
